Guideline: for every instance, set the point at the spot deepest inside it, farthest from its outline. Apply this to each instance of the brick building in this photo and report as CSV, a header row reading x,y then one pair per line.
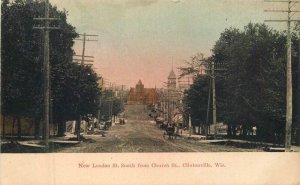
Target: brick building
x,y
141,95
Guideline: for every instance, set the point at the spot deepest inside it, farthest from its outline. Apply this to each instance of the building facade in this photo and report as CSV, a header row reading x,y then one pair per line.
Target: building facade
x,y
142,95
170,103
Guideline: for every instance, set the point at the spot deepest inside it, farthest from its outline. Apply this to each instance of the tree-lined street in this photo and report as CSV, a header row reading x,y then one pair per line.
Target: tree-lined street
x,y
150,92
140,134
241,90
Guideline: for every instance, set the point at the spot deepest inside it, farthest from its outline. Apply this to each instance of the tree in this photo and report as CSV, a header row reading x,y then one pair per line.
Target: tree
x,y
74,88
20,60
196,65
110,104
196,99
251,91
75,93
254,79
296,82
118,106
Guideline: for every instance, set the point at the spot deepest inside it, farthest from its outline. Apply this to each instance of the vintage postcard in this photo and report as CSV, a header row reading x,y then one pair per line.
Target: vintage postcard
x,y
134,92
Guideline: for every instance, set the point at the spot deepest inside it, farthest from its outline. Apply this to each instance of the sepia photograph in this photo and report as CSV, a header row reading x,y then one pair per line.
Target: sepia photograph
x,y
144,90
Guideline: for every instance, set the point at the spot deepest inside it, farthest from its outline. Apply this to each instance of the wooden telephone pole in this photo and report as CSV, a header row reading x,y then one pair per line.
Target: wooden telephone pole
x,y
213,89
46,71
83,57
289,90
82,63
214,105
298,98
212,74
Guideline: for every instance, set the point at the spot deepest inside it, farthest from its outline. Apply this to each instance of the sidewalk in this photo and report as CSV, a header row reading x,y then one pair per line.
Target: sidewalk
x,y
201,138
67,139
186,135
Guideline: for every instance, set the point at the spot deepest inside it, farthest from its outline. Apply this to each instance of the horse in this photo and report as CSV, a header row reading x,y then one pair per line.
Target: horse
x,y
170,131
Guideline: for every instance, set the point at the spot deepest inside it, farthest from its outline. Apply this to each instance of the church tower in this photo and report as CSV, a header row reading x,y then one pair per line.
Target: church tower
x,y
172,80
139,87
139,91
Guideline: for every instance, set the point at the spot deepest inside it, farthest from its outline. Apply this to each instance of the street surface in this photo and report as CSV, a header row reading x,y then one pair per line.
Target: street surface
x,y
140,134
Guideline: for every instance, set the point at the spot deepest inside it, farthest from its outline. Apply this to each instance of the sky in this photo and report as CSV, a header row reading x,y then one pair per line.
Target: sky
x,y
141,39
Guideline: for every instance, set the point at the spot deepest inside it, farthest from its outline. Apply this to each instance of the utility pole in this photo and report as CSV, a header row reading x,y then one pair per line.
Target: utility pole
x,y
165,107
184,85
110,104
99,111
46,71
121,93
83,57
211,72
213,76
213,84
298,98
82,63
3,118
207,110
289,90
190,125
212,87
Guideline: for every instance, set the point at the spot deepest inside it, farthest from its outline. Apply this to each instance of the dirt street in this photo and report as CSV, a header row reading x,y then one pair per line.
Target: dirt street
x,y
140,134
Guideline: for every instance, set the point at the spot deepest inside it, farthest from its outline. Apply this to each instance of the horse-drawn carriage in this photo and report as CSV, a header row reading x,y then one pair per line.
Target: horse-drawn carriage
x,y
170,132
122,121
